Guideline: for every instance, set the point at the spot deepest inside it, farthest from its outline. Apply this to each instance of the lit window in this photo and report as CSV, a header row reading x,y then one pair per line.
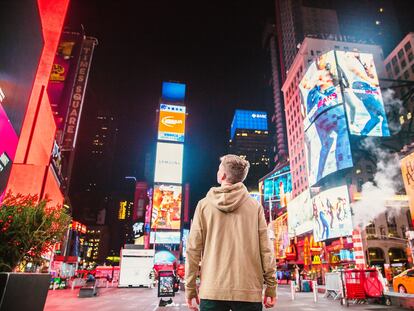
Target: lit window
x,y
401,119
377,22
381,10
409,116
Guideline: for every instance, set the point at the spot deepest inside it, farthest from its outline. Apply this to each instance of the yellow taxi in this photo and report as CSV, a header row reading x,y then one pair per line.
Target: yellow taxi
x,y
404,282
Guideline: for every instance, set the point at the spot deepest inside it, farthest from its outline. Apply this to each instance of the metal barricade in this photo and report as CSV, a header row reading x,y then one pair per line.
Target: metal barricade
x,y
333,285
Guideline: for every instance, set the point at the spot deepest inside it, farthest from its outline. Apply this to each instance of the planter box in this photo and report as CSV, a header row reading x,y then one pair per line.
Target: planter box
x,y
23,291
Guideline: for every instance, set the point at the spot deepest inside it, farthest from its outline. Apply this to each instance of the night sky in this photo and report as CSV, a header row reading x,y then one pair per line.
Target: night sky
x,y
215,47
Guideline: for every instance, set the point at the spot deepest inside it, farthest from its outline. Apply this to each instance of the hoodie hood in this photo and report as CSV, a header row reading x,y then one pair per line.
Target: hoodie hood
x,y
227,199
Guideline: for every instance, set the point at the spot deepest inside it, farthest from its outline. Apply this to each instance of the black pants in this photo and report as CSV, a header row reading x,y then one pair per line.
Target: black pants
x,y
221,305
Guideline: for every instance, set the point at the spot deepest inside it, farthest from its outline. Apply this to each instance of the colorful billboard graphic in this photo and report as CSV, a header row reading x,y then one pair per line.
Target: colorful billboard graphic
x,y
407,169
248,120
331,214
164,257
169,163
140,201
163,237
166,207
171,125
173,92
363,99
327,145
300,214
184,239
278,187
281,242
320,88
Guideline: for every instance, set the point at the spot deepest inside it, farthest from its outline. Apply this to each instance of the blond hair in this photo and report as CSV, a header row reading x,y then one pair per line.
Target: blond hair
x,y
236,168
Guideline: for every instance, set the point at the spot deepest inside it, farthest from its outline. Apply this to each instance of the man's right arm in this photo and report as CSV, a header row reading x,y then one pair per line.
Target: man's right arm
x,y
194,251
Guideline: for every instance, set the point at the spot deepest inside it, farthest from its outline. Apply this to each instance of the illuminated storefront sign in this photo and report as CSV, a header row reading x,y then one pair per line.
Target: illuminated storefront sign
x,y
122,210
169,163
171,125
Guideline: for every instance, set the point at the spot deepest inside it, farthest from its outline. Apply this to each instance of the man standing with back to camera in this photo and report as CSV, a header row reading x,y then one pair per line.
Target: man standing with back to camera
x,y
229,237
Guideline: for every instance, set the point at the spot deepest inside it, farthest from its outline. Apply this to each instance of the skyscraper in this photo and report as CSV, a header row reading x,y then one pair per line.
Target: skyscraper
x,y
250,139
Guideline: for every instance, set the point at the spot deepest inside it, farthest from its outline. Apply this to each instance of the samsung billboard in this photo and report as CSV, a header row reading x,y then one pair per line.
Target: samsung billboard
x,y
169,163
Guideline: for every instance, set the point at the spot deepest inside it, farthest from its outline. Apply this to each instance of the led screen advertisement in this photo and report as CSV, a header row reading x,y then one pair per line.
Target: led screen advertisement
x,y
320,87
327,144
169,163
171,125
278,187
331,214
300,214
173,92
363,99
166,207
248,120
165,237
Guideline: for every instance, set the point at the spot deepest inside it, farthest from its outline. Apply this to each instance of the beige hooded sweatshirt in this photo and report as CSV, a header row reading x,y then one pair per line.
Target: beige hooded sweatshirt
x,y
229,237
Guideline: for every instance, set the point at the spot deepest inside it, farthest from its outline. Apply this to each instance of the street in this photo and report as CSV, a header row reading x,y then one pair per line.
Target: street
x,y
144,299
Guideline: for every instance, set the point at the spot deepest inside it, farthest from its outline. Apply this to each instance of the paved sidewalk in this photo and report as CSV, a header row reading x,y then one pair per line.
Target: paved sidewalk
x,y
143,299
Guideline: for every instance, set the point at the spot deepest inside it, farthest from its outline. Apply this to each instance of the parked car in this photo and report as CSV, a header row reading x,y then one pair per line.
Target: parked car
x,y
404,282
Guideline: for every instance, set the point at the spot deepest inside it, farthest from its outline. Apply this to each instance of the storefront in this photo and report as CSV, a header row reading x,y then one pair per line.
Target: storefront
x,y
376,258
398,260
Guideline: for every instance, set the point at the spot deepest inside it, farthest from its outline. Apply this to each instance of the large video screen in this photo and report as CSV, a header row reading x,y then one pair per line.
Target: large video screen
x,y
320,87
363,99
173,92
171,125
248,120
166,207
300,214
169,163
163,237
331,214
327,145
278,187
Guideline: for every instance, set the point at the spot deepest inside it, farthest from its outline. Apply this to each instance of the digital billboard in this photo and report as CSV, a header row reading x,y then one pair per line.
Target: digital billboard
x,y
281,242
407,169
278,187
166,207
363,99
173,92
331,214
165,237
248,120
300,214
327,144
320,87
184,239
169,163
171,124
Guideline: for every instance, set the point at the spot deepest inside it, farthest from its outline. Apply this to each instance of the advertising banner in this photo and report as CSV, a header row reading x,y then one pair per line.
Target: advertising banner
x,y
171,125
169,163
278,187
166,280
281,242
62,79
165,237
78,94
407,169
166,207
300,214
331,214
173,92
320,88
363,99
327,145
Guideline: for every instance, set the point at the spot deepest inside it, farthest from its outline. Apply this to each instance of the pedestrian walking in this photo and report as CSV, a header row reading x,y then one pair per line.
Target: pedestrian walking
x,y
229,237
